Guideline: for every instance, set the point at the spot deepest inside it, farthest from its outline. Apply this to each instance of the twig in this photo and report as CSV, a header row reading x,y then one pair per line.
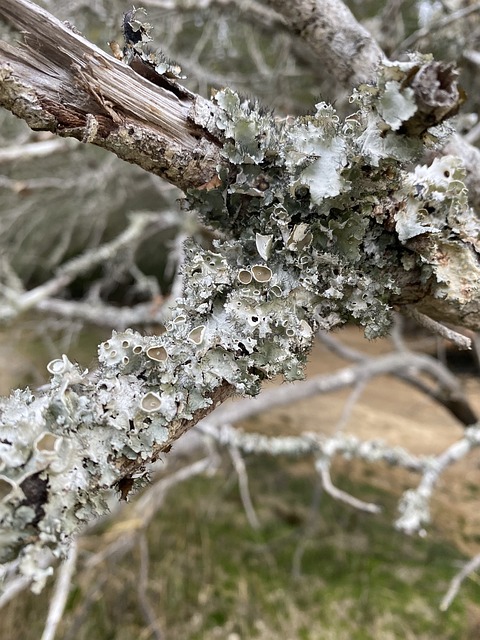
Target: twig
x,y
397,364
35,150
17,304
461,341
474,134
435,26
473,56
414,505
322,467
92,596
340,349
309,529
350,403
60,595
471,566
12,588
144,509
476,349
262,69
251,9
143,600
242,475
105,315
396,333
391,26
153,498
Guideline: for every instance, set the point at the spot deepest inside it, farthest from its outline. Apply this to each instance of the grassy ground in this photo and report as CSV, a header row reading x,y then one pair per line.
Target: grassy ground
x,y
308,574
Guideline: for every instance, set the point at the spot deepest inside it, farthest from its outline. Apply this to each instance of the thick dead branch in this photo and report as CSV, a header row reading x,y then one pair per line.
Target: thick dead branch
x,y
62,83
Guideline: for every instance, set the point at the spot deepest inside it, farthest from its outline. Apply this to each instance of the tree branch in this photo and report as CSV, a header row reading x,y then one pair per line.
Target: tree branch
x,y
62,83
15,302
24,152
346,49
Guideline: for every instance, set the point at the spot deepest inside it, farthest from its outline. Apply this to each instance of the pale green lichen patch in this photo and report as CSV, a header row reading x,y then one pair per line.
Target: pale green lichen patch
x,y
396,105
435,196
319,219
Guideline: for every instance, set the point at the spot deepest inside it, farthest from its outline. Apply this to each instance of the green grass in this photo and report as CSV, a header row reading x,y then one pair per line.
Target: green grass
x,y
211,576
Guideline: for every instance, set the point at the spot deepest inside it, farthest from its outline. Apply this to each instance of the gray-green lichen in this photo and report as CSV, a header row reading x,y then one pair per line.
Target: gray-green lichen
x,y
319,219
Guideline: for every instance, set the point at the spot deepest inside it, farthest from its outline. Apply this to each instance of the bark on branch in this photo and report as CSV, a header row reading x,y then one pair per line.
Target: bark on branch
x,y
62,83
347,50
322,222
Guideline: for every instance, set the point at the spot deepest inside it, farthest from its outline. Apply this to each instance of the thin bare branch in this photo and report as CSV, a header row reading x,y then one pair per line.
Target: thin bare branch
x,y
432,28
13,587
60,594
461,341
138,515
19,302
352,400
340,349
322,466
35,150
471,566
144,602
397,364
99,314
242,475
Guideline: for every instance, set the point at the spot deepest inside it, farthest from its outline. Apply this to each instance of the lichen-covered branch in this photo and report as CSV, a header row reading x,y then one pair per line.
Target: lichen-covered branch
x,y
414,506
322,222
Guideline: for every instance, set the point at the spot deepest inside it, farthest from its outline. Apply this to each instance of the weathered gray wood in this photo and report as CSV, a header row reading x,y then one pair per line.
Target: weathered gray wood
x,y
62,83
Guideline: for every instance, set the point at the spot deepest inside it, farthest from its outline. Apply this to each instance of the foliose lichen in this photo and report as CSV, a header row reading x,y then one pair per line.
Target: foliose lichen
x,y
318,217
